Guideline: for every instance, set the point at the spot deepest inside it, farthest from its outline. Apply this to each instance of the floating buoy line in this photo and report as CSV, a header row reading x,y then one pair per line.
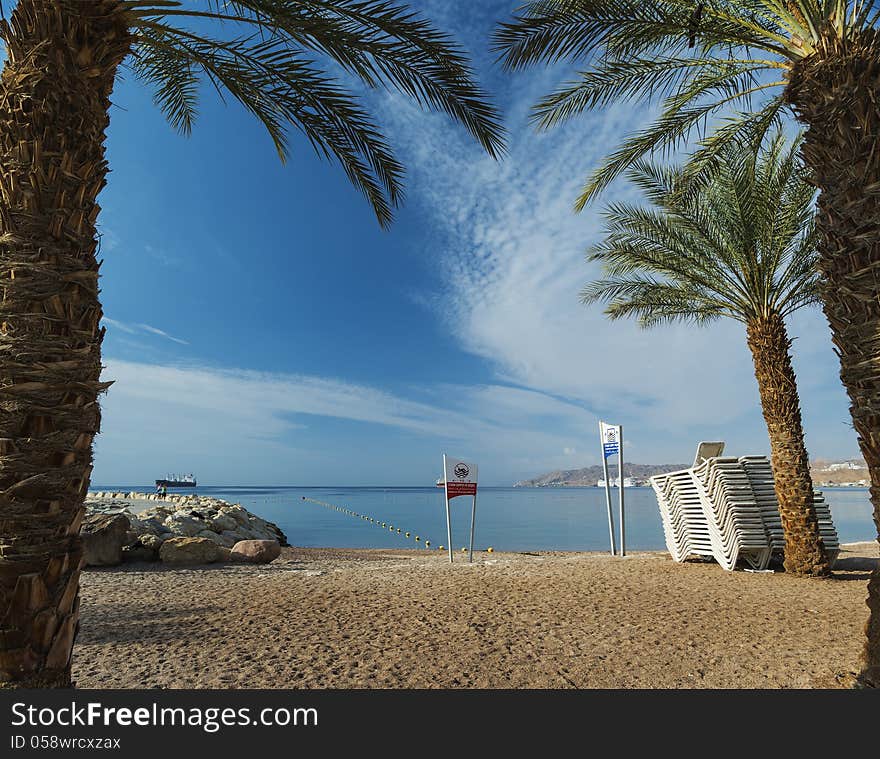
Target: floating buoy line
x,y
406,534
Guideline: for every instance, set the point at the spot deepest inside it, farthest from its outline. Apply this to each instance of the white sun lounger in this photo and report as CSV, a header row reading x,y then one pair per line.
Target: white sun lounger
x,y
726,508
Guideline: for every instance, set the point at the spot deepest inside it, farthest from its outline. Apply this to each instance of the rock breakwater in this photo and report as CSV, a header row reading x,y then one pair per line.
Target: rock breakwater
x,y
134,526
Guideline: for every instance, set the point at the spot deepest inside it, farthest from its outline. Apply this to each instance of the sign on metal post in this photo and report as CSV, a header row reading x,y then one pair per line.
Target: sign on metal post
x,y
459,478
611,436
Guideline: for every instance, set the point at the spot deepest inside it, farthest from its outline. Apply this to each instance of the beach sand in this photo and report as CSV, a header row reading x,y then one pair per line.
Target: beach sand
x,y
332,618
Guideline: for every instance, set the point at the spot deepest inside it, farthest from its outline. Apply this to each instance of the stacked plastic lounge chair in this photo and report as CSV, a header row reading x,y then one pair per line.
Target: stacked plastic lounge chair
x,y
826,527
726,508
681,512
734,519
761,475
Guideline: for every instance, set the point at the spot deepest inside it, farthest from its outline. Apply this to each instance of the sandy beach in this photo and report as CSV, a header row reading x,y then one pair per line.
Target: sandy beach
x,y
332,618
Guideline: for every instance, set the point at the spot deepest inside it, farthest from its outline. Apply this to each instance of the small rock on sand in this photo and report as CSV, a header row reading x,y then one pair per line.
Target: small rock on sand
x,y
256,551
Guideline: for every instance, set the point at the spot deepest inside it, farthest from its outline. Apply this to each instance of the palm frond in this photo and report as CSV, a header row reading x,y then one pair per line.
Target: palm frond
x,y
652,302
701,60
736,239
265,54
621,79
176,86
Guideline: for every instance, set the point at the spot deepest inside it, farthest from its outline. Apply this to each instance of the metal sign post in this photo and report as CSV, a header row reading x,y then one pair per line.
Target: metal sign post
x,y
446,499
612,444
607,488
459,478
622,519
473,520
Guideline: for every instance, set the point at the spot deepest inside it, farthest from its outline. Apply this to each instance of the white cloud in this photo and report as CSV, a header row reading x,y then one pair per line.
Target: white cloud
x,y
511,250
161,333
513,259
108,238
158,417
131,328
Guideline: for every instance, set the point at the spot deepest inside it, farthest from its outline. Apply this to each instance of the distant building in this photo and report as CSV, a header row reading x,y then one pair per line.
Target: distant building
x,y
628,482
840,465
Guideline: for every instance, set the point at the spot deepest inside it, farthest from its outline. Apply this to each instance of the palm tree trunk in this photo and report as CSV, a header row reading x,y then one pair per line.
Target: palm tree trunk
x,y
62,57
770,346
836,93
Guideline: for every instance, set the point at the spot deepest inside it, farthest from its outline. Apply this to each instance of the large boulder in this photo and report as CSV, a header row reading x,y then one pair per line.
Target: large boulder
x,y
148,525
213,537
103,537
256,551
181,524
189,551
222,522
239,514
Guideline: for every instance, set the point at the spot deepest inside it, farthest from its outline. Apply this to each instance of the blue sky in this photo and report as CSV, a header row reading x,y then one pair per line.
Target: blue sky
x,y
261,328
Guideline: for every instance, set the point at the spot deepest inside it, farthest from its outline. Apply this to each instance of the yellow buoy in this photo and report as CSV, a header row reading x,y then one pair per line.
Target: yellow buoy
x,y
407,534
418,539
439,548
489,549
427,544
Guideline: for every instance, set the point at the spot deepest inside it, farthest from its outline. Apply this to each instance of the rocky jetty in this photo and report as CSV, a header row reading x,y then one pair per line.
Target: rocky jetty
x,y
177,529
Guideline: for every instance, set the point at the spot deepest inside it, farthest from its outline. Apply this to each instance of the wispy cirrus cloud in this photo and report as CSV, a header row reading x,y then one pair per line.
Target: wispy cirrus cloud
x,y
137,328
512,255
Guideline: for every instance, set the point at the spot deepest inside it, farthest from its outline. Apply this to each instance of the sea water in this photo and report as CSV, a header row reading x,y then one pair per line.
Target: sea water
x,y
508,519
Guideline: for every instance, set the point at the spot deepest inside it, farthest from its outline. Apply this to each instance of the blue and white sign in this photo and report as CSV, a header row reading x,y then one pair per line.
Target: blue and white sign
x,y
610,439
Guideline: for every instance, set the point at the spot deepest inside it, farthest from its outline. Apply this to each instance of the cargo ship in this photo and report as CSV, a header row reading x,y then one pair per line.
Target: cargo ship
x,y
177,481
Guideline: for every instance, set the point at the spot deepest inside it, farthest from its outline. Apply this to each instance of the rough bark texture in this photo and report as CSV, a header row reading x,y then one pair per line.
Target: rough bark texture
x,y
804,551
54,100
836,93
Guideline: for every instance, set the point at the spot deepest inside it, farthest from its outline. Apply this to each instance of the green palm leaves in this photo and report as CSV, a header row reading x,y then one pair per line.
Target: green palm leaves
x,y
723,62
738,243
264,54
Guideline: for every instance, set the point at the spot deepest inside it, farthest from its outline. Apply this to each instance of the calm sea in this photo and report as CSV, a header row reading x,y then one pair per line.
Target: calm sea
x,y
508,519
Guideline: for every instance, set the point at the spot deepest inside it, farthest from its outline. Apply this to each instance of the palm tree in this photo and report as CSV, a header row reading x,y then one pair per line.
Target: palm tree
x,y
742,245
739,67
62,59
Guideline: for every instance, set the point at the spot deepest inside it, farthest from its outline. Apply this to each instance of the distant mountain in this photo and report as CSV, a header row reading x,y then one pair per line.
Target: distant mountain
x,y
563,478
824,473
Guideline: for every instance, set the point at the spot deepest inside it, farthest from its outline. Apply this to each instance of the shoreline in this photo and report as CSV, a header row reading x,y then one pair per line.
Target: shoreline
x,y
854,529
